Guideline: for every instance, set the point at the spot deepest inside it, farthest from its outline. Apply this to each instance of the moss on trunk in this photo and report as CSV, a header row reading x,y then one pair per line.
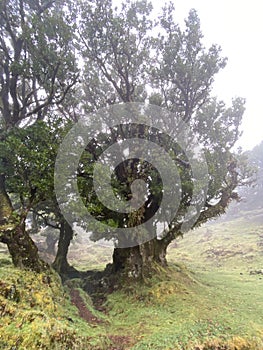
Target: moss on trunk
x,y
23,250
21,247
140,261
6,208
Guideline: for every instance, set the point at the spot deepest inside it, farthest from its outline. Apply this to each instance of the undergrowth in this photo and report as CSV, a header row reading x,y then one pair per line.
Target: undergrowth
x,y
36,313
207,300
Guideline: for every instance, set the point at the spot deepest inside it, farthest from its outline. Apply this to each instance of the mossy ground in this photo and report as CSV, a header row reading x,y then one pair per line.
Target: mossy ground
x,y
206,300
36,313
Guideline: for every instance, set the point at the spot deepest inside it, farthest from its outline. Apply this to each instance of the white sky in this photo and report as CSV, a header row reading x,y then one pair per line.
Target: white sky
x,y
236,26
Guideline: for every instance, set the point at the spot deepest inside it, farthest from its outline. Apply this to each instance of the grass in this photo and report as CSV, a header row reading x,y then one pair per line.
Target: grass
x,y
206,300
36,313
183,311
230,246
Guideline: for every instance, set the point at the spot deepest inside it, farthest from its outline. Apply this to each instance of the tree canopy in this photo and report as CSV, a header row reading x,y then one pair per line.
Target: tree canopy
x,y
127,57
37,71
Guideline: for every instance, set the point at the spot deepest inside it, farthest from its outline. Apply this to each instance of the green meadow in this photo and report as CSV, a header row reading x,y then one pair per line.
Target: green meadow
x,y
210,297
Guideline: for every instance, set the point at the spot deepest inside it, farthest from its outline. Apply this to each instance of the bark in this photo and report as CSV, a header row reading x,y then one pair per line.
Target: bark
x,y
140,261
22,249
60,263
6,208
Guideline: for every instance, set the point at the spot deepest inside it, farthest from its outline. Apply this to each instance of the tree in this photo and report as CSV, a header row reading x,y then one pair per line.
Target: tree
x,y
48,214
250,196
27,161
255,157
125,63
37,71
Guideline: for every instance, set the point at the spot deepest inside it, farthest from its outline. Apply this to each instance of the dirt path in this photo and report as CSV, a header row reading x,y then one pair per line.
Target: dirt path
x,y
119,342
84,312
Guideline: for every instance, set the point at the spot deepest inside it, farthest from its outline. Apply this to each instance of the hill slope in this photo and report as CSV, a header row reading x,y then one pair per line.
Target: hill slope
x,y
211,298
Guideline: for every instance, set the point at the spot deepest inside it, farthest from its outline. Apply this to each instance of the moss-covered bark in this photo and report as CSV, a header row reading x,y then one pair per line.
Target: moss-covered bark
x,y
21,247
139,261
5,203
23,250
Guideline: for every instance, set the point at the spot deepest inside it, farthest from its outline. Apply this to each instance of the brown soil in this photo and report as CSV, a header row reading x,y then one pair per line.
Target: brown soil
x,y
121,342
118,342
84,312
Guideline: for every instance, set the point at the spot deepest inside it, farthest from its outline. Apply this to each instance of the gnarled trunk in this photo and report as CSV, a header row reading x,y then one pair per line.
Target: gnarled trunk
x,y
60,263
140,261
23,250
21,247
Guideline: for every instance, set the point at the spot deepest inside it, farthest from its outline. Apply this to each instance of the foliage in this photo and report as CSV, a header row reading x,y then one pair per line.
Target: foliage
x,y
27,158
116,48
37,59
253,196
37,72
250,196
126,62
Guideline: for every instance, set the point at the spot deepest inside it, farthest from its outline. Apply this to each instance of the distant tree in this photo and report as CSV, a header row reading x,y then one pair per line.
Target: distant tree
x,y
251,197
256,159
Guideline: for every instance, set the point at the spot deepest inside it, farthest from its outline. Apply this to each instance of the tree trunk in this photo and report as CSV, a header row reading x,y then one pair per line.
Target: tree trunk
x,y
6,208
51,244
140,261
21,247
23,250
60,263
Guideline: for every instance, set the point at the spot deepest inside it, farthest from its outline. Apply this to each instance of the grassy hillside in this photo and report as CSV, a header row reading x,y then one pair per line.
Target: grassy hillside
x,y
211,298
235,245
36,313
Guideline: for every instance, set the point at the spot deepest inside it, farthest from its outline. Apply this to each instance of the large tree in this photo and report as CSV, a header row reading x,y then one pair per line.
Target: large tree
x,y
37,71
172,70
